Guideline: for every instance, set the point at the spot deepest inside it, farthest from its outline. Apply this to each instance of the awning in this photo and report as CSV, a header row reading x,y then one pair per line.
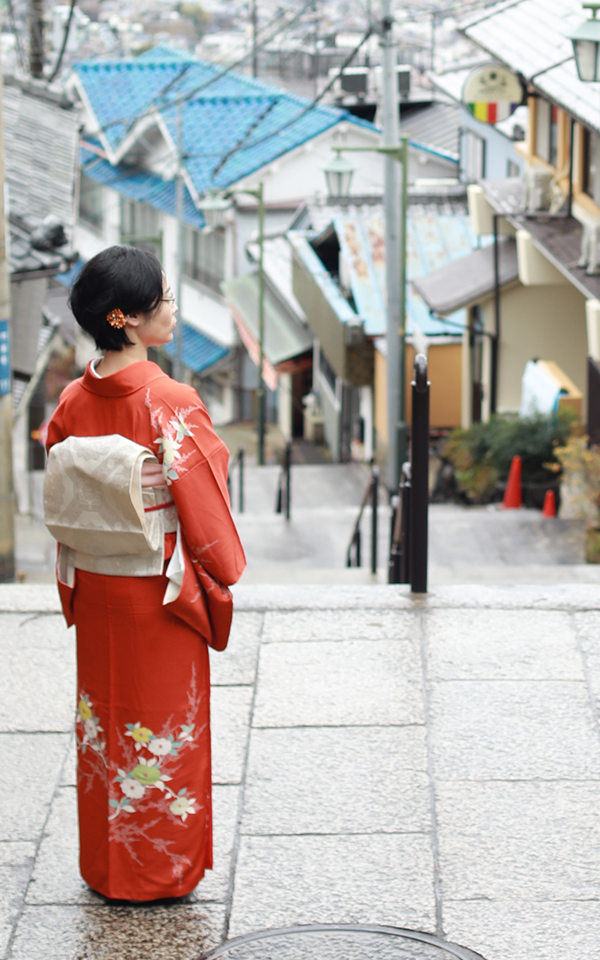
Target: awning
x,y
198,351
284,337
468,279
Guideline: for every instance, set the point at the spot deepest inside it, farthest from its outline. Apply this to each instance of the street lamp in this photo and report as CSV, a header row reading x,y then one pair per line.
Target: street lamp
x,y
586,45
338,175
213,206
396,326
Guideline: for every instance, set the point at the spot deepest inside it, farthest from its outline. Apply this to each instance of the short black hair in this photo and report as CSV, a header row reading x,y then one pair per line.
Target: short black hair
x,y
119,278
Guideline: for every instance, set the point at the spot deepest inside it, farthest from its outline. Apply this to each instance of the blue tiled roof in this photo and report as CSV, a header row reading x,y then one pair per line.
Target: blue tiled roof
x,y
267,121
138,185
70,276
198,351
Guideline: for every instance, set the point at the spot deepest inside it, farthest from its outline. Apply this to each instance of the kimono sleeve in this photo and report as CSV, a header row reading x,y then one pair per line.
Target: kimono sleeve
x,y
195,463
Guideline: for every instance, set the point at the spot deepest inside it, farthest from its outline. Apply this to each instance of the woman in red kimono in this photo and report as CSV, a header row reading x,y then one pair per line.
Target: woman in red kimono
x,y
143,720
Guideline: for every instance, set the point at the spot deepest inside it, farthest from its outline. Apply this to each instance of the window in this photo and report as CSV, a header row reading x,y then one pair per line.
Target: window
x,y
591,165
512,169
204,258
546,132
472,156
91,208
140,226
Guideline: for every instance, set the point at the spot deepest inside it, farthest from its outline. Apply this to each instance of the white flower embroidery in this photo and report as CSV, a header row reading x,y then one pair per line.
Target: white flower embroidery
x,y
133,789
183,806
160,746
91,729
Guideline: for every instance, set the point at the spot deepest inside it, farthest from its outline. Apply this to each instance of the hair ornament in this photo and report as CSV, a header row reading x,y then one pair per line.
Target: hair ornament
x,y
116,318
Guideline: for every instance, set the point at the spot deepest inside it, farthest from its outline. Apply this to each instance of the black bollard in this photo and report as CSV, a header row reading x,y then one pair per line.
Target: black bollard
x,y
241,454
374,517
419,476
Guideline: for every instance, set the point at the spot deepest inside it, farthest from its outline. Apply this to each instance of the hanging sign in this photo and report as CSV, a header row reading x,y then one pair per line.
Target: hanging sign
x,y
492,92
4,358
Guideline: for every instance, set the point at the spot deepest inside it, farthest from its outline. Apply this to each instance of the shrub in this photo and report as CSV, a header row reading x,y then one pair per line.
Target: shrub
x,y
482,455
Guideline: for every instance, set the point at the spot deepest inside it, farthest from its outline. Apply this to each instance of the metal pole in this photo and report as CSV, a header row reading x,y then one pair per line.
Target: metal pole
x,y
288,479
391,127
374,517
36,38
419,476
254,32
402,430
7,499
261,326
496,337
180,240
241,478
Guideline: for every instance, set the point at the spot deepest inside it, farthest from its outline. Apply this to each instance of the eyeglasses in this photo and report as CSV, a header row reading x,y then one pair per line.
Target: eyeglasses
x,y
170,299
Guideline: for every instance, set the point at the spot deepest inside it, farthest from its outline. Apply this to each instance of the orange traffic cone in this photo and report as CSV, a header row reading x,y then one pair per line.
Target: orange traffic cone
x,y
549,509
512,495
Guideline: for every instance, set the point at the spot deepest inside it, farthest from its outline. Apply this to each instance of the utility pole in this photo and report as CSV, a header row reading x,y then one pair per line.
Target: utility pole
x,y
36,38
316,50
254,18
180,239
396,374
7,497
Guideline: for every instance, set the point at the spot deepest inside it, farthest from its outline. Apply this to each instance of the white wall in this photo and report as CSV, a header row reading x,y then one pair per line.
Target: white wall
x,y
284,404
207,313
299,174
89,242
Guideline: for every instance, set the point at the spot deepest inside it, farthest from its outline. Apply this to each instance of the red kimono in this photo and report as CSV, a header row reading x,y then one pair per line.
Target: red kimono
x,y
143,716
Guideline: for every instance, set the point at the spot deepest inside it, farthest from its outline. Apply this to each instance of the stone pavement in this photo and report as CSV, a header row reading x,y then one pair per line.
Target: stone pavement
x,y
432,764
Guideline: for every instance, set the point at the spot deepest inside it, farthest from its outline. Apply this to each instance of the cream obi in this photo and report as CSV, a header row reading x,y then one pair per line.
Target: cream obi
x,y
97,509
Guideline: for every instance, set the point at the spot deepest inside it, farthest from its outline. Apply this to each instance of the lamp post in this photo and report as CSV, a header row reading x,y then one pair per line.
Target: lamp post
x,y
338,179
214,205
586,45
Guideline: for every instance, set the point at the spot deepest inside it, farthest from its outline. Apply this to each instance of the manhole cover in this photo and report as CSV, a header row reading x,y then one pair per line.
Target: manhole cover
x,y
340,941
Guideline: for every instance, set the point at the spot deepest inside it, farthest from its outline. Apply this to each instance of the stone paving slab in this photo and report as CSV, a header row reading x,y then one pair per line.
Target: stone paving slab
x,y
513,730
372,879
177,932
512,644
339,683
519,841
380,776
16,862
31,766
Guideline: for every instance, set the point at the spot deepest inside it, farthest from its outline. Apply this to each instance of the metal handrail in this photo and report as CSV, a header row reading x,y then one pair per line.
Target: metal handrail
x,y
371,493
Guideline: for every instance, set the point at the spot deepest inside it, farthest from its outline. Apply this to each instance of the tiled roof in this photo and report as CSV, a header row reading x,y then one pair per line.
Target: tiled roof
x,y
198,351
266,121
531,36
139,185
435,125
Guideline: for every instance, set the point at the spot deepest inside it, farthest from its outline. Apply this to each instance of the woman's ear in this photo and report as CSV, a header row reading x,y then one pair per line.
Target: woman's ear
x,y
132,320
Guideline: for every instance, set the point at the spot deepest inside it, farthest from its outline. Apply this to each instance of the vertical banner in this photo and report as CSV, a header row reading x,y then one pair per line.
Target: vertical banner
x,y
4,358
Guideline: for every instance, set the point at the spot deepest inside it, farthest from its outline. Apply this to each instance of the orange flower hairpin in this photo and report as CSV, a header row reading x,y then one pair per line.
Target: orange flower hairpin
x,y
116,318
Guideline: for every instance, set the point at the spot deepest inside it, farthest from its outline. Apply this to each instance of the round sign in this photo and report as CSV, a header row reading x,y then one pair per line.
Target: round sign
x,y
492,92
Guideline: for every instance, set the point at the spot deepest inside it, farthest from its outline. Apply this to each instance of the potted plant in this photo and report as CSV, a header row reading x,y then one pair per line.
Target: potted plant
x,y
580,465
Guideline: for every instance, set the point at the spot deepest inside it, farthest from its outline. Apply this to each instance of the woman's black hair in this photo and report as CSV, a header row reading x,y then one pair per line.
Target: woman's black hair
x,y
119,278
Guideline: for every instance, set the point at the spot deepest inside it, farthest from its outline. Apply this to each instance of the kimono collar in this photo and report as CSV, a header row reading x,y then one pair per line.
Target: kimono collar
x,y
131,378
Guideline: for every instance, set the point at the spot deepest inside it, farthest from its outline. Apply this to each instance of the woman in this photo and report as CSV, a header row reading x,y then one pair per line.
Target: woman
x,y
143,734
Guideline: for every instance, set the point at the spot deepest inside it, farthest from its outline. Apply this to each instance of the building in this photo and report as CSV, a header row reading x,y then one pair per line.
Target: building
x,y
535,293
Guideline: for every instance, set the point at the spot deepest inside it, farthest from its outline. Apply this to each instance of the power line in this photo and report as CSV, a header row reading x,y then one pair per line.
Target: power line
x,y
61,54
13,26
302,113
207,83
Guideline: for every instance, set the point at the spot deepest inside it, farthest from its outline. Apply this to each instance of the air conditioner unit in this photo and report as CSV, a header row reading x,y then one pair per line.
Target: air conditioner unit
x,y
538,188
352,81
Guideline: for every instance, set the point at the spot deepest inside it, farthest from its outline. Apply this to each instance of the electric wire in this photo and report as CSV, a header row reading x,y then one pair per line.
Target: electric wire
x,y
65,40
13,26
184,98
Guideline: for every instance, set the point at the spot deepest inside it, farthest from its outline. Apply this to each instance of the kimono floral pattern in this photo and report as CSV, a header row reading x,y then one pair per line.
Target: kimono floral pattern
x,y
147,779
172,432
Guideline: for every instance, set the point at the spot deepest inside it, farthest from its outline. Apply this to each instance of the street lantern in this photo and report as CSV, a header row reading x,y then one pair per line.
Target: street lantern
x,y
586,45
214,206
338,175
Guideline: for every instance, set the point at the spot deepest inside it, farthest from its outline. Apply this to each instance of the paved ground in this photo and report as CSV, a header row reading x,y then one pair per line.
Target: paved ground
x,y
429,764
